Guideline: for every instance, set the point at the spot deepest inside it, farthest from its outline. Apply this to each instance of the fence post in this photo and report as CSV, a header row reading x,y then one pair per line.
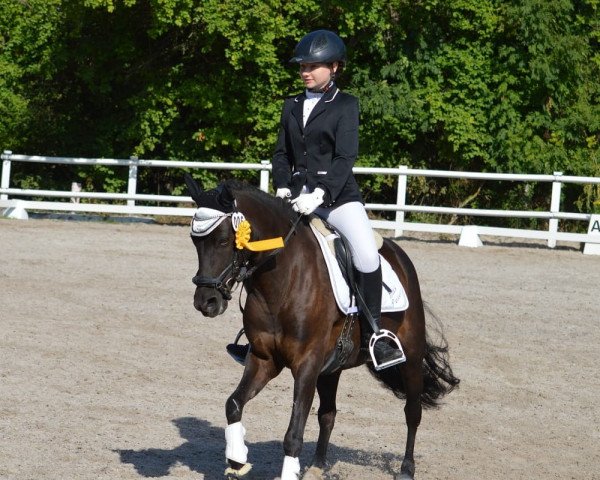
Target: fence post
x,y
132,182
264,176
75,188
554,208
5,181
401,199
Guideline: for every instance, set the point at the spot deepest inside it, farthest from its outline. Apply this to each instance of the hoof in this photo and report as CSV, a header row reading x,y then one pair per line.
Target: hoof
x,y
404,476
313,473
232,474
407,470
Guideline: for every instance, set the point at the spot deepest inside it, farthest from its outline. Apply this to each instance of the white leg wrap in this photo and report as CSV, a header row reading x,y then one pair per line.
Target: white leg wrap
x,y
291,468
236,449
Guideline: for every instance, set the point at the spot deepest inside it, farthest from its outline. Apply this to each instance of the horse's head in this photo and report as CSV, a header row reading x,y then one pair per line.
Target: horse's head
x,y
221,235
215,276
213,237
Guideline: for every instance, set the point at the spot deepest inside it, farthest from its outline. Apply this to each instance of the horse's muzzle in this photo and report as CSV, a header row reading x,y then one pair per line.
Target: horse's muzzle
x,y
209,302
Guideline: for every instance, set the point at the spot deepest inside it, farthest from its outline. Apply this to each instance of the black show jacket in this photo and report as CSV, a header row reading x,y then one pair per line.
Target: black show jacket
x,y
323,153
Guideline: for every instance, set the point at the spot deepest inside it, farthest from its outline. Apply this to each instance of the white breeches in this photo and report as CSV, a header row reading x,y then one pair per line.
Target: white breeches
x,y
351,220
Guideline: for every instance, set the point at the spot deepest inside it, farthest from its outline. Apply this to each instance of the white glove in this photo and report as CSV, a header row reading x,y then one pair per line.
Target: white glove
x,y
307,203
283,193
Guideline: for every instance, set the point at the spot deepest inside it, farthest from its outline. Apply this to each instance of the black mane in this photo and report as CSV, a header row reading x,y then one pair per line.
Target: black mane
x,y
275,206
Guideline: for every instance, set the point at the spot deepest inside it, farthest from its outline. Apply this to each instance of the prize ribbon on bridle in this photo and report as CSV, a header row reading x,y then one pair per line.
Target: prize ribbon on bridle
x,y
243,231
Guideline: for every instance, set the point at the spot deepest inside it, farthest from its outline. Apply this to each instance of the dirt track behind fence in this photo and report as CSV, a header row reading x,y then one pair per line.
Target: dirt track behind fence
x,y
107,371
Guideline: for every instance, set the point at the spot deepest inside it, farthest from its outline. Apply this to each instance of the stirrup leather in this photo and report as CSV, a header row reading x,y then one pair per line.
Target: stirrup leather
x,y
379,336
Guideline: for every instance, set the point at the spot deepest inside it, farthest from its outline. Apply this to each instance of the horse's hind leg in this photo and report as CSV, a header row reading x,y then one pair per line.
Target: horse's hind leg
x,y
256,375
327,386
412,410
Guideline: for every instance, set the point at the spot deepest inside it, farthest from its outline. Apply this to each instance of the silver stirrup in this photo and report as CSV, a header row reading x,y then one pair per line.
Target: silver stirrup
x,y
378,336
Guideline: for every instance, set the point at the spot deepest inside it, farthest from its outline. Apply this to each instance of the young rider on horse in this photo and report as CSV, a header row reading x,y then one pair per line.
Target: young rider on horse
x,y
312,164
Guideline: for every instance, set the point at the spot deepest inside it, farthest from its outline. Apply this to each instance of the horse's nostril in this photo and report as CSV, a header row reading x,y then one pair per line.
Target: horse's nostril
x,y
209,306
211,302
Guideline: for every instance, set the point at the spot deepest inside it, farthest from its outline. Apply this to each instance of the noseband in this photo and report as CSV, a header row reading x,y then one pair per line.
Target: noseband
x,y
228,278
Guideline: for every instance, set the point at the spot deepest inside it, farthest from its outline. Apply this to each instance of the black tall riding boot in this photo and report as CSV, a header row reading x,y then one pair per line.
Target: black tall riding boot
x,y
369,286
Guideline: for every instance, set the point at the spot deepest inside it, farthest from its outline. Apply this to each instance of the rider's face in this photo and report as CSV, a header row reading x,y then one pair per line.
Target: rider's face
x,y
316,75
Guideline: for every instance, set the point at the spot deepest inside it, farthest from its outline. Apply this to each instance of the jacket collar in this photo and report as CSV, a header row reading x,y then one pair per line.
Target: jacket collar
x,y
328,98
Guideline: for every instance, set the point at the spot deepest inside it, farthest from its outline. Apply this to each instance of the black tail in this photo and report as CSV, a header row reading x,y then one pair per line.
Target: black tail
x,y
438,378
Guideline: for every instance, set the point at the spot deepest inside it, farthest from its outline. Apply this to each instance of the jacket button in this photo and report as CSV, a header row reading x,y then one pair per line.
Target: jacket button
x,y
304,154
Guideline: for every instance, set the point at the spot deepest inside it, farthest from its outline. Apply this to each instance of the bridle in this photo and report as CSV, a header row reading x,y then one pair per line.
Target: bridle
x,y
223,283
239,269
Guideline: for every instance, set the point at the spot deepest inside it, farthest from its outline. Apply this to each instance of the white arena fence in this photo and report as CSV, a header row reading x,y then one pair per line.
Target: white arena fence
x,y
11,199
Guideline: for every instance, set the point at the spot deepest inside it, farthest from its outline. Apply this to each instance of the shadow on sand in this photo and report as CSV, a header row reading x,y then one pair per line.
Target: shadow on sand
x,y
204,452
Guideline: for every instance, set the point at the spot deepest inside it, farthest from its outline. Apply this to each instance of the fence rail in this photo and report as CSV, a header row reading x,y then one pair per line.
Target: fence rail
x,y
398,225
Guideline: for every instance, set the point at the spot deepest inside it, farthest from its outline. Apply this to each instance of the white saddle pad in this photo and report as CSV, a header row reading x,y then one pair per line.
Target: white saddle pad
x,y
394,300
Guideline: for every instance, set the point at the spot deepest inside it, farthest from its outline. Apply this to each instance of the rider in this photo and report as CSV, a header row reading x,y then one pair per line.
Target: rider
x,y
312,164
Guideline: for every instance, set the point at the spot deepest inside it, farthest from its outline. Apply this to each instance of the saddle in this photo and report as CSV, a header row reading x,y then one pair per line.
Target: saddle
x,y
336,250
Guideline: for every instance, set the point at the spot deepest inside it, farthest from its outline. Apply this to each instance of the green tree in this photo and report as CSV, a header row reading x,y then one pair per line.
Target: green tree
x,y
27,32
483,85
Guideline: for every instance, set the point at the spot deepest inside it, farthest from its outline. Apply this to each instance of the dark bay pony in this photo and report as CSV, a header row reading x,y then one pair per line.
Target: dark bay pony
x,y
291,320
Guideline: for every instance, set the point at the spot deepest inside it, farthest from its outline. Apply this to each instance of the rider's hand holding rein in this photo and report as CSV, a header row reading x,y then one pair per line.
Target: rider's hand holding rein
x,y
283,193
307,203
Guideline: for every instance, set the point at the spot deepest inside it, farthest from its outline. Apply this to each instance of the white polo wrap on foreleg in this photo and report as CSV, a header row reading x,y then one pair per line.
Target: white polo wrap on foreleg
x,y
236,449
291,468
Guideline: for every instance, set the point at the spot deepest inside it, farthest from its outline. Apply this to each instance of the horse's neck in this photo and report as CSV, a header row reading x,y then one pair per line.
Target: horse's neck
x,y
297,257
265,220
270,220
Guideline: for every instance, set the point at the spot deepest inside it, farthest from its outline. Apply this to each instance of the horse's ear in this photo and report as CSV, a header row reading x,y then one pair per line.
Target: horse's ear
x,y
193,187
219,198
225,197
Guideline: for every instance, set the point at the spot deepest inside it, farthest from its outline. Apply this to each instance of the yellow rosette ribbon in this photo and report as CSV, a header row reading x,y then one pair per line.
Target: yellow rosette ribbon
x,y
242,240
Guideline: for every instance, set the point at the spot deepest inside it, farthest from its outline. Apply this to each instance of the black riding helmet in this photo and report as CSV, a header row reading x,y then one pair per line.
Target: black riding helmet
x,y
320,46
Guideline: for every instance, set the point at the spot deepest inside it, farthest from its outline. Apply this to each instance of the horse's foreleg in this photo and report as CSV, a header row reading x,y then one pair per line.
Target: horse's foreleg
x,y
256,375
305,380
327,386
412,410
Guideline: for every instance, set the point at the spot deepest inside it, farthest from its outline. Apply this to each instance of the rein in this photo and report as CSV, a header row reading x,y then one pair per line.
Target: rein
x,y
239,270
